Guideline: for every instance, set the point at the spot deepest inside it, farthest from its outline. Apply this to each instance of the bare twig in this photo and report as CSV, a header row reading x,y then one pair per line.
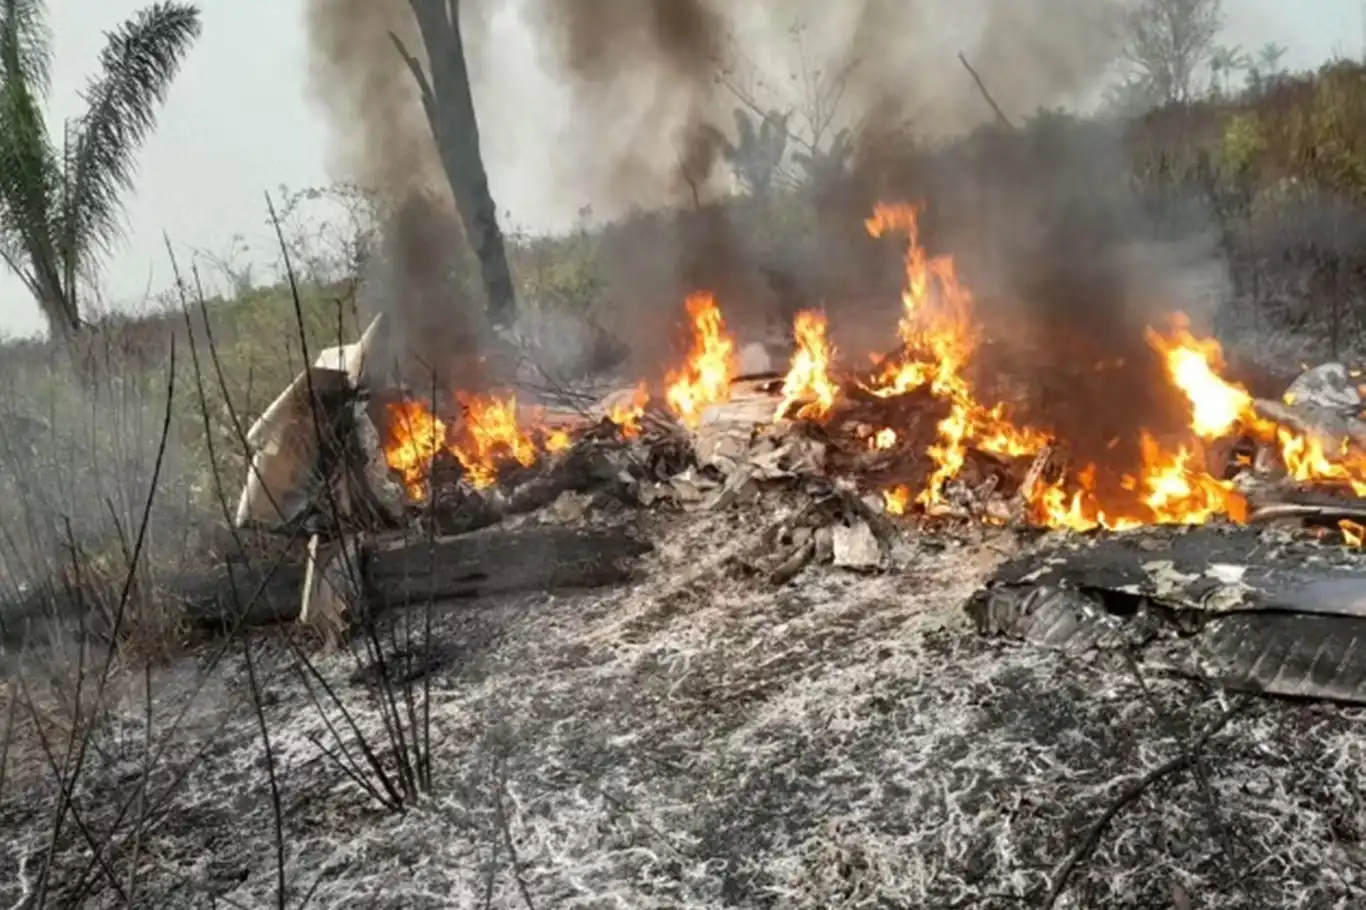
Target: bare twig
x,y
981,87
72,770
499,793
1063,874
277,814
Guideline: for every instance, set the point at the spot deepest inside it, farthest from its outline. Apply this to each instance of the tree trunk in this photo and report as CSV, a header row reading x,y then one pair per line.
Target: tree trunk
x,y
450,111
58,305
62,322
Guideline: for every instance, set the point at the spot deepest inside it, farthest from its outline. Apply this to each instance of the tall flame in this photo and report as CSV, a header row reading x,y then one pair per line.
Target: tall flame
x,y
808,376
705,377
938,339
416,436
627,415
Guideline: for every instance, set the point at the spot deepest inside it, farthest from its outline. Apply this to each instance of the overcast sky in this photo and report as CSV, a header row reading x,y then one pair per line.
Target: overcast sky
x,y
239,123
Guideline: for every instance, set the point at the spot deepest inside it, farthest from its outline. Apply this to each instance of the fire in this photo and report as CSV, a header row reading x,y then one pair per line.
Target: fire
x,y
808,377
627,416
705,377
1217,406
1353,534
1170,484
487,436
416,437
938,339
897,500
936,319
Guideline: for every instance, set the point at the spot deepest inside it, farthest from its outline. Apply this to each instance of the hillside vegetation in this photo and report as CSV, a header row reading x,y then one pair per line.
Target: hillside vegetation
x,y
1278,170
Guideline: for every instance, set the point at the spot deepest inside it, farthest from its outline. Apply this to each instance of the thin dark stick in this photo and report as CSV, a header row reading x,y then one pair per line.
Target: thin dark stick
x,y
1198,766
1130,795
8,737
277,813
982,87
500,786
64,800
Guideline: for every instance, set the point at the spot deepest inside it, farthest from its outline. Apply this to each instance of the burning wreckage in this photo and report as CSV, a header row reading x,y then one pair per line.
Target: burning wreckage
x,y
1228,550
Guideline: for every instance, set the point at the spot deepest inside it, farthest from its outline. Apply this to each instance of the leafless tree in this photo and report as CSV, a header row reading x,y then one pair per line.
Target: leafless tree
x,y
445,91
1168,42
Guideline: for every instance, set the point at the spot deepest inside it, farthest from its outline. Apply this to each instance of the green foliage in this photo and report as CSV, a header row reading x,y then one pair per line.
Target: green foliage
x,y
1242,144
60,200
824,167
756,155
1307,130
562,273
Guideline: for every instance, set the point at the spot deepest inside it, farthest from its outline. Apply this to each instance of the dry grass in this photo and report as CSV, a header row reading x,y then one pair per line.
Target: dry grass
x,y
701,741
697,740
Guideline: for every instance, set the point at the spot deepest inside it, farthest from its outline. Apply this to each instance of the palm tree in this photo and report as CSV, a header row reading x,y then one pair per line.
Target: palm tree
x,y
1269,58
756,155
60,201
1223,63
826,167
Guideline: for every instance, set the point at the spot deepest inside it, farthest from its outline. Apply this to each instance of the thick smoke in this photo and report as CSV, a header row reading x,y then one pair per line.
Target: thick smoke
x,y
382,141
641,80
1067,263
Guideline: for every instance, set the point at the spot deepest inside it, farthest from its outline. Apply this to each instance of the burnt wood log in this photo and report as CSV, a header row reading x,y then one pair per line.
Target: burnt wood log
x,y
401,571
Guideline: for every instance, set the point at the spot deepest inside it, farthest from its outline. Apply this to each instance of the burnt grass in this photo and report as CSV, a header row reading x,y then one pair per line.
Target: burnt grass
x,y
702,740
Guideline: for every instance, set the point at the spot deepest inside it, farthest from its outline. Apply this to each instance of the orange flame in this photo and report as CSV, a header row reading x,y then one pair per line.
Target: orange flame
x,y
1217,406
1353,534
627,416
897,500
416,436
808,376
705,377
487,436
938,339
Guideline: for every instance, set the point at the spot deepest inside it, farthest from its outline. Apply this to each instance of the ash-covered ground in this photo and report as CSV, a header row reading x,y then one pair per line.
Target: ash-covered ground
x,y
704,740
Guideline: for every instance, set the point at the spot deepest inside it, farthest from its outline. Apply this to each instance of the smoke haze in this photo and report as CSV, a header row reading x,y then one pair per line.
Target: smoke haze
x,y
1047,236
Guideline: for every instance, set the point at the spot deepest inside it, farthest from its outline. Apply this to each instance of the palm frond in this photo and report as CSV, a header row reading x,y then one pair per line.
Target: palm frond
x,y
29,176
25,44
137,66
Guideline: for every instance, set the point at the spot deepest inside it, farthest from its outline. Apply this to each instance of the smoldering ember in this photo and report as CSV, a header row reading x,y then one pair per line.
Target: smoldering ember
x,y
829,633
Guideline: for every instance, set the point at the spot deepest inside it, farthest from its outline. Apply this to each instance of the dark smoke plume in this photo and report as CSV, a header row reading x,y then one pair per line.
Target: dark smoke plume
x,y
1067,263
382,141
642,80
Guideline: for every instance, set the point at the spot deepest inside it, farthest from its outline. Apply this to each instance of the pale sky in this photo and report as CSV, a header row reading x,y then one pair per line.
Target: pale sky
x,y
239,123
